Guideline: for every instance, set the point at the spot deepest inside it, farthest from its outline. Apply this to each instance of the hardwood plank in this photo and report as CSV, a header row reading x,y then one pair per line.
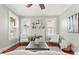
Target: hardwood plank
x,y
11,48
66,50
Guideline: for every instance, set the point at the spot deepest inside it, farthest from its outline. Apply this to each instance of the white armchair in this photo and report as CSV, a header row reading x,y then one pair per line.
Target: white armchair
x,y
55,38
64,44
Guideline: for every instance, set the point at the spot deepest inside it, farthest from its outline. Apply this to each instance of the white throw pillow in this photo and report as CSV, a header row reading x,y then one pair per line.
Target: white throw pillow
x,y
64,44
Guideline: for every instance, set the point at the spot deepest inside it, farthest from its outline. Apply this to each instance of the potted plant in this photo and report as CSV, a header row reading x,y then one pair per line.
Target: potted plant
x,y
31,38
32,43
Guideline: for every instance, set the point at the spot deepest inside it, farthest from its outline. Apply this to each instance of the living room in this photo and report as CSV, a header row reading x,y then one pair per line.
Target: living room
x,y
53,24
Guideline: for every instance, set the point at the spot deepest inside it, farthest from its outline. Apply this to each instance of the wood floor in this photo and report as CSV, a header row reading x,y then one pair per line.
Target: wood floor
x,y
11,48
50,44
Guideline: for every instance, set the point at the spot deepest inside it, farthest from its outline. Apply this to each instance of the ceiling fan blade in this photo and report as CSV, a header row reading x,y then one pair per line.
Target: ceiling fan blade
x,y
42,6
29,5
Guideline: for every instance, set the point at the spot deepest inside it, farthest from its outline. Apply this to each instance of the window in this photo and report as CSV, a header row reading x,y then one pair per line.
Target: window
x,y
51,27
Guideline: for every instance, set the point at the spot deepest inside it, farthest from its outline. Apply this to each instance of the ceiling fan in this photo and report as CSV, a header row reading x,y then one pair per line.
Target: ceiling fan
x,y
41,6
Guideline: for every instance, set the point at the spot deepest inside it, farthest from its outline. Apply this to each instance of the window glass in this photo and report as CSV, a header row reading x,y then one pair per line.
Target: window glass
x,y
51,27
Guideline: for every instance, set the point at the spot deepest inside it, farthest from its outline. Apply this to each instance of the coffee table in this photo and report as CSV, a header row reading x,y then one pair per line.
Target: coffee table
x,y
33,46
37,48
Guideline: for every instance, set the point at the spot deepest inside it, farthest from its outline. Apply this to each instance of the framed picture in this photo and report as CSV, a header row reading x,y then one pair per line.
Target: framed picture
x,y
13,21
12,28
73,23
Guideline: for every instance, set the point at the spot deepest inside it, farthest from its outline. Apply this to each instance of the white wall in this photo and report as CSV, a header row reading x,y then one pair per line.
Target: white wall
x,y
72,37
4,28
32,19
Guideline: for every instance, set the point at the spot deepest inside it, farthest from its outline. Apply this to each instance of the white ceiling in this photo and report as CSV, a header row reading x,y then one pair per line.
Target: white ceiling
x,y
34,10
